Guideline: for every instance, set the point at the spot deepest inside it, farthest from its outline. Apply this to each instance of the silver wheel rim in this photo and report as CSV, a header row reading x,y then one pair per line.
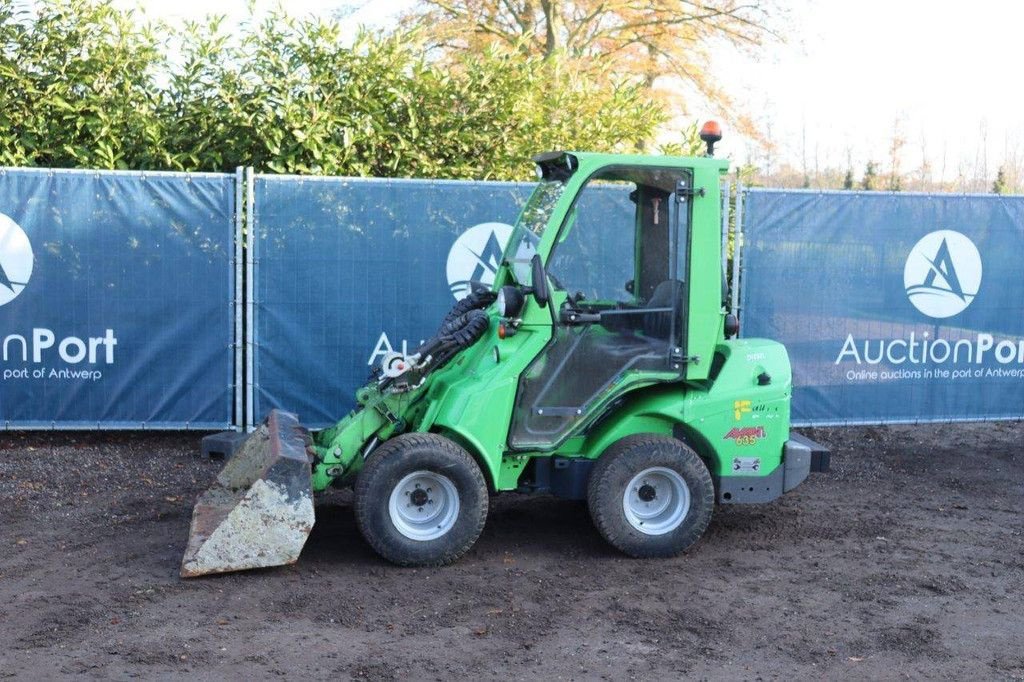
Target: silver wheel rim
x,y
424,505
656,501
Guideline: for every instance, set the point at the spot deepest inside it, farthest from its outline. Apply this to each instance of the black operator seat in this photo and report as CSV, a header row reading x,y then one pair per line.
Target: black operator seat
x,y
668,294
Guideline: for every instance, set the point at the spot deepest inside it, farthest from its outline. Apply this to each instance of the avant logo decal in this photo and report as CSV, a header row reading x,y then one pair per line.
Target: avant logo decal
x,y
943,273
15,259
744,432
475,256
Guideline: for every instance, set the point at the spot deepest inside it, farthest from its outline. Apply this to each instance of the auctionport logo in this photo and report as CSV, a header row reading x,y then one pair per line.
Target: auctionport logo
x,y
15,259
943,274
475,256
942,278
30,354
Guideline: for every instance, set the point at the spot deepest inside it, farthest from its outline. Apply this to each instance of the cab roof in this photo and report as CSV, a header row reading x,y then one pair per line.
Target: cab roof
x,y
565,163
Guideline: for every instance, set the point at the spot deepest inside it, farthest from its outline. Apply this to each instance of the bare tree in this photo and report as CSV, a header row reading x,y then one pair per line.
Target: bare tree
x,y
895,183
924,171
980,177
639,40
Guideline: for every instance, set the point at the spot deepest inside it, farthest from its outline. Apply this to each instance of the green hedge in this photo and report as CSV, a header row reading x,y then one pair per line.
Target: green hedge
x,y
84,84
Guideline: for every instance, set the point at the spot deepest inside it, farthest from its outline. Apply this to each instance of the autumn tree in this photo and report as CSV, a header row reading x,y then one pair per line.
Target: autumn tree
x,y
641,40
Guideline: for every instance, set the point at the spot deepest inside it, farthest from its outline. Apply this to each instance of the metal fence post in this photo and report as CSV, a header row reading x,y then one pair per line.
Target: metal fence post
x,y
250,296
239,387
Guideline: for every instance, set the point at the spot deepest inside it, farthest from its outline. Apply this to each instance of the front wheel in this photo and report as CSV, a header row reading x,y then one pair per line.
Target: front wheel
x,y
420,500
650,496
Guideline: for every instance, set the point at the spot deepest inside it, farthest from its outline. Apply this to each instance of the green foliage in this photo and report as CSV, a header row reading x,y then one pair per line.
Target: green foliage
x,y
76,86
895,183
1001,186
848,179
870,179
84,84
688,144
747,174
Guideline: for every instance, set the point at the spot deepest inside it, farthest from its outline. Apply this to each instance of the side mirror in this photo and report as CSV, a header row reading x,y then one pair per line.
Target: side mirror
x,y
630,285
540,281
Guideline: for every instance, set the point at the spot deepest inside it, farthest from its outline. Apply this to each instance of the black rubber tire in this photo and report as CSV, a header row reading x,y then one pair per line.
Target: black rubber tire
x,y
613,471
387,466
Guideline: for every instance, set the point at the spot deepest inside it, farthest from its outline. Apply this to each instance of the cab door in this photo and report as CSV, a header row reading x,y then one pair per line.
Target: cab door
x,y
619,266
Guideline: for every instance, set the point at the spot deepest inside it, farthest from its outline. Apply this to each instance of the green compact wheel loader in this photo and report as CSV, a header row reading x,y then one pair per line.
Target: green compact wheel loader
x,y
600,366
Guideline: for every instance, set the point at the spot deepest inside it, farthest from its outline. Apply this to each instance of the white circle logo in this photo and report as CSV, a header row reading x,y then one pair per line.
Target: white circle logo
x,y
15,259
475,257
943,273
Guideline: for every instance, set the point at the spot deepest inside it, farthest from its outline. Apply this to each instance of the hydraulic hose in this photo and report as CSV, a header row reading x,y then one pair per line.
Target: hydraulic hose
x,y
456,334
477,300
463,326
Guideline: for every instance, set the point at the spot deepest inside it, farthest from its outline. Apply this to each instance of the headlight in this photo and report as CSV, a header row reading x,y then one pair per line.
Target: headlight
x,y
509,301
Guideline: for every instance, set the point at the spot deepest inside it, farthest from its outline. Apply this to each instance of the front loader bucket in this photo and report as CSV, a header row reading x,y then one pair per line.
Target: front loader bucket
x,y
259,511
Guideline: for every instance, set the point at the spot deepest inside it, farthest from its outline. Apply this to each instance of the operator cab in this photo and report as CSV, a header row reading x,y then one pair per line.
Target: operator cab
x,y
618,278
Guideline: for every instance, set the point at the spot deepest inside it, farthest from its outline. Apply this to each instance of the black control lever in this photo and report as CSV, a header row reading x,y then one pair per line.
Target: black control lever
x,y
571,316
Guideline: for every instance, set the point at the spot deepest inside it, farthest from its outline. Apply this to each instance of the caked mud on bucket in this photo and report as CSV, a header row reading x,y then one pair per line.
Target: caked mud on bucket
x,y
259,511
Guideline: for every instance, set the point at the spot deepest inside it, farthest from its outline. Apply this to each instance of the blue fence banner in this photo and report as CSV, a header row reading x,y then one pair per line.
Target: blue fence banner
x,y
116,299
894,307
345,270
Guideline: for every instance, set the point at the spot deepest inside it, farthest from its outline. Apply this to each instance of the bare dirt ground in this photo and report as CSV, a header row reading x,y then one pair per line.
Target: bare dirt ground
x,y
907,561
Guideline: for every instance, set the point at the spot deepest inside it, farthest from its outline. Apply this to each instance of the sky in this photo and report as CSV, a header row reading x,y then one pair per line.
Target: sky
x,y
944,72
849,75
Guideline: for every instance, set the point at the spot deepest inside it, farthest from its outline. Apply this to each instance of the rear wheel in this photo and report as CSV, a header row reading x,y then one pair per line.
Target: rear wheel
x,y
420,500
650,496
